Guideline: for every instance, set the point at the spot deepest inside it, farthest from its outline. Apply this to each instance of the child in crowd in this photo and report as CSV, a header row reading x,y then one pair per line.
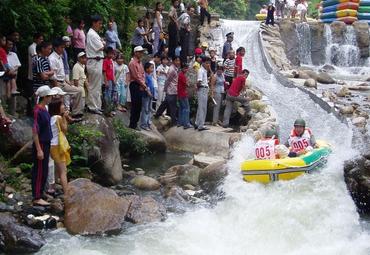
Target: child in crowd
x,y
240,53
122,80
182,94
10,78
213,56
229,68
60,153
197,59
110,89
146,108
162,71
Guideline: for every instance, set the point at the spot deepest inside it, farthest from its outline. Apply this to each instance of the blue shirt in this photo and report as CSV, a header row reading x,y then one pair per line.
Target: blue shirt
x,y
150,83
41,124
65,62
112,39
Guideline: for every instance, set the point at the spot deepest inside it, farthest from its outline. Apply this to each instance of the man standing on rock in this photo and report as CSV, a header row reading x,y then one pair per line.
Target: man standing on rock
x,y
233,94
137,85
228,45
95,55
202,94
185,28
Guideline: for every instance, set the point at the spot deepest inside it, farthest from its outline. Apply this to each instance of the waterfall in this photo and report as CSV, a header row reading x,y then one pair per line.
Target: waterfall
x,y
304,37
313,214
344,53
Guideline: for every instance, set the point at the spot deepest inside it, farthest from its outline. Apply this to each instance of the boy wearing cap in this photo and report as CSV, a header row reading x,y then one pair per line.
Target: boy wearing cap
x,y
42,136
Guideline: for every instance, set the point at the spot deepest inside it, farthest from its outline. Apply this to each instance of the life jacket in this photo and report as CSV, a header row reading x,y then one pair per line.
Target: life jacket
x,y
265,148
299,143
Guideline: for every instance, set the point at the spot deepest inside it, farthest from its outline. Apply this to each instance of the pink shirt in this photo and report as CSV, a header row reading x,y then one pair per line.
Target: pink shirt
x,y
79,39
137,73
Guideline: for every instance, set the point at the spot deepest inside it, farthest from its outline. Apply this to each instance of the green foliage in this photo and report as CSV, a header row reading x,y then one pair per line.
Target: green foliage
x,y
81,139
131,144
230,9
312,8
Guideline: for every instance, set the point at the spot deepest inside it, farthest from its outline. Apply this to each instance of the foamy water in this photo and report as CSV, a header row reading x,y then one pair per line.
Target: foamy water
x,y
313,214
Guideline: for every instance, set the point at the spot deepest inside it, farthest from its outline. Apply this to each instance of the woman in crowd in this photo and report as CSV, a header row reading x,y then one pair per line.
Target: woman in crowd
x,y
122,79
157,26
60,151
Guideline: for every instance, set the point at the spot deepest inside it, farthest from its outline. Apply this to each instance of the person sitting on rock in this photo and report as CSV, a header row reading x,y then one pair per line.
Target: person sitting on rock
x,y
270,15
265,147
301,139
233,94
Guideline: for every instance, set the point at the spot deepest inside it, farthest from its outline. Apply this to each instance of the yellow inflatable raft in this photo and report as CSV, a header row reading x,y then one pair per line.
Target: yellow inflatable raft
x,y
265,171
261,16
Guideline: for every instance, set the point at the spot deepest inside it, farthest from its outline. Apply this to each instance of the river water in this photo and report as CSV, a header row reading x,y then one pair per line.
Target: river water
x,y
313,214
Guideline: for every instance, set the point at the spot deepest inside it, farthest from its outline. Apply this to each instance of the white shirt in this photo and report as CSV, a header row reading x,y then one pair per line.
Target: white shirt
x,y
54,130
290,3
78,73
202,77
162,74
31,54
56,64
93,44
301,7
13,60
160,21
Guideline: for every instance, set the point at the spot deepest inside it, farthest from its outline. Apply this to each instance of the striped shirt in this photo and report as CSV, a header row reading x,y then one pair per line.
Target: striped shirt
x,y
229,67
39,65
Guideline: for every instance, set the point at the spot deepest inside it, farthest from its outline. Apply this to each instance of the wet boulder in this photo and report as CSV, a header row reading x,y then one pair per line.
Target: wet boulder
x,y
15,238
343,91
338,28
310,83
214,172
181,175
145,183
317,43
19,135
145,210
362,36
93,209
290,39
105,159
359,122
325,78
348,109
154,140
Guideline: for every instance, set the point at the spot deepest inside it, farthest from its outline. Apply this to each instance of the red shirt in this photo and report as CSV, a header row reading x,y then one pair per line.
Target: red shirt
x,y
237,86
181,86
238,64
108,69
3,56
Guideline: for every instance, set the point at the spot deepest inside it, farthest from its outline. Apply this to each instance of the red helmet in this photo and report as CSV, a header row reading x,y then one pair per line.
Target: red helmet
x,y
198,51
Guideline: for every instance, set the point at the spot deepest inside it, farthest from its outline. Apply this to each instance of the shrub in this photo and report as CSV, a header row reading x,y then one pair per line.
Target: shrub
x,y
131,144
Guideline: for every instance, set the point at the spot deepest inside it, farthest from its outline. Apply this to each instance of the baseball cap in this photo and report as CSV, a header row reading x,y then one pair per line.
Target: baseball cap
x,y
138,48
211,49
44,91
230,34
198,51
81,54
66,38
58,91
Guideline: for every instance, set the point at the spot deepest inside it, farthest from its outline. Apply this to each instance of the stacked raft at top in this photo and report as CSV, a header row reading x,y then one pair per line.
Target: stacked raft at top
x,y
364,11
342,10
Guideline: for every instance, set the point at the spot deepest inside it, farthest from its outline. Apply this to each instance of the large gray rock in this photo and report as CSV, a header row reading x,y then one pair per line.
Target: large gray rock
x,y
310,83
212,142
338,28
154,140
317,43
214,172
181,175
15,238
362,35
20,134
145,183
105,159
325,78
93,209
145,210
289,37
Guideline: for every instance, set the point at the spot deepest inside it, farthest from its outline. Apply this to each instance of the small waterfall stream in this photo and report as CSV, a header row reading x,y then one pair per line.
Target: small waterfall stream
x,y
304,37
310,215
